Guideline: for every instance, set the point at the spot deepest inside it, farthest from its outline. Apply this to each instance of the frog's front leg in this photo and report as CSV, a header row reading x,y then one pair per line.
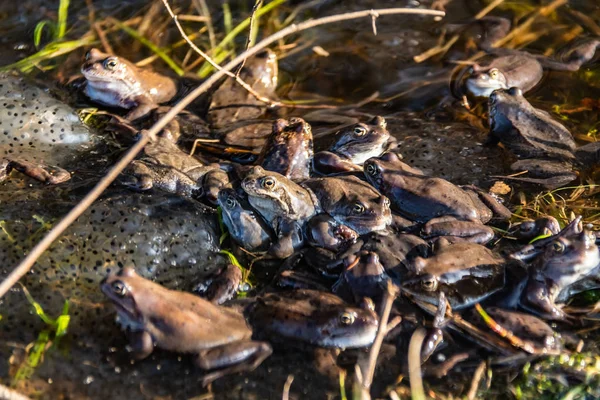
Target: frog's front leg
x,y
231,358
452,228
289,239
327,163
140,345
146,175
222,286
143,109
537,298
435,335
46,174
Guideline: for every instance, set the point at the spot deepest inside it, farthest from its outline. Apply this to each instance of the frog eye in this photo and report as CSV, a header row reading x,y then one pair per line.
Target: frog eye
x,y
230,202
494,73
358,208
268,183
88,55
119,288
558,246
359,131
429,284
347,318
372,169
110,63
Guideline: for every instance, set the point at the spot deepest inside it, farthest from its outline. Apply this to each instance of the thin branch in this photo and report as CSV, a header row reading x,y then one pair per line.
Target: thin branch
x,y
20,270
212,62
365,377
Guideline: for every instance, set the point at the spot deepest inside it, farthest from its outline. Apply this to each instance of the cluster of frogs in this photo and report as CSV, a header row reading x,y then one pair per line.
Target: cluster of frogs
x,y
341,223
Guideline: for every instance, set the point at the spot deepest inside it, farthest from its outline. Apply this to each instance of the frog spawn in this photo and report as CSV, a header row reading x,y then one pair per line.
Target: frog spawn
x,y
38,133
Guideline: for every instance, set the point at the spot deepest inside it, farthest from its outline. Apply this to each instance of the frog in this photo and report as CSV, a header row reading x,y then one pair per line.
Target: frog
x,y
324,232
545,147
532,332
221,285
466,272
354,145
444,208
363,276
182,322
166,167
285,206
234,114
245,226
289,149
314,317
116,82
516,68
559,265
530,229
351,202
395,251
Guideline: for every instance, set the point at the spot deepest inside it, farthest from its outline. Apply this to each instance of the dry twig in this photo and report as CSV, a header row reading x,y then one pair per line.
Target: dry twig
x,y
24,266
365,378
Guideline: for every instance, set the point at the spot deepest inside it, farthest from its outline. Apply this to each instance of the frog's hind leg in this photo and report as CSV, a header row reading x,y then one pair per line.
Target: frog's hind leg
x,y
232,358
574,56
47,174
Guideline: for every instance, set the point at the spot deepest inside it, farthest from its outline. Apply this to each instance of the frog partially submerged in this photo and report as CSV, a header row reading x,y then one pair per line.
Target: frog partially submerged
x,y
351,202
545,147
318,318
184,323
289,149
234,114
363,276
435,202
116,82
246,226
285,206
515,68
355,144
561,262
166,167
466,272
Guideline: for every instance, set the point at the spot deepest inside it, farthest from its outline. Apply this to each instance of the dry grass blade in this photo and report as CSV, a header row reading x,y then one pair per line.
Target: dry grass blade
x,y
476,380
414,364
24,266
366,376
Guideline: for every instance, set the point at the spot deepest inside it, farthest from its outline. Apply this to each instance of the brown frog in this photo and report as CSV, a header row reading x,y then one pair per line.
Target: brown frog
x,y
289,149
515,68
445,209
285,206
184,323
466,272
355,144
351,202
546,148
116,82
166,167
